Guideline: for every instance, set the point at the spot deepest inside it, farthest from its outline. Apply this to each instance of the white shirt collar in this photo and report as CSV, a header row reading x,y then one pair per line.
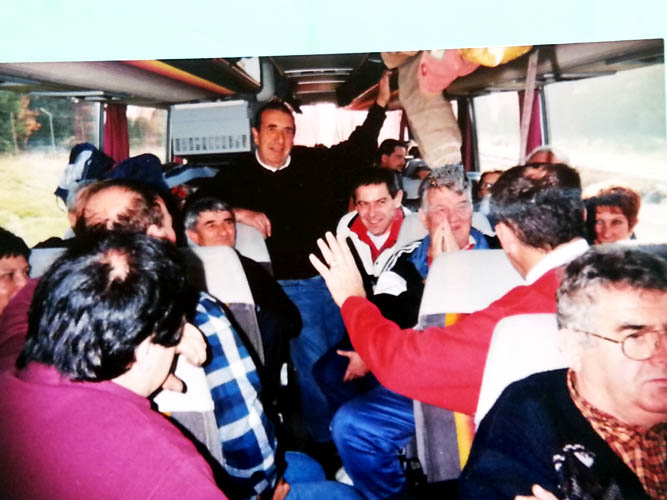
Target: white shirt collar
x,y
380,239
269,167
561,255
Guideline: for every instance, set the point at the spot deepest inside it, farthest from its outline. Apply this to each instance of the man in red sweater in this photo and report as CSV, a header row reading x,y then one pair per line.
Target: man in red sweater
x,y
540,225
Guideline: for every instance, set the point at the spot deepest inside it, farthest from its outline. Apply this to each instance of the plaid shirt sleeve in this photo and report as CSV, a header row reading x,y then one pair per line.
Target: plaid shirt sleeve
x,y
246,436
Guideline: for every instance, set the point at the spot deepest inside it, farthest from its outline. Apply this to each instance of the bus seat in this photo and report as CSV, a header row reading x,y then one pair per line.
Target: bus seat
x,y
457,283
250,242
482,224
41,259
521,345
218,270
193,409
412,228
464,282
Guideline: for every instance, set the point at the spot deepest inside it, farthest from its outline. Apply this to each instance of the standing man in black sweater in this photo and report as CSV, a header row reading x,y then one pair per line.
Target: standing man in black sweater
x,y
293,195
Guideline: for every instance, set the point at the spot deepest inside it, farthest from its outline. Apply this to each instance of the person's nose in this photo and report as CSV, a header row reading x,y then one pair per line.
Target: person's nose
x,y
20,279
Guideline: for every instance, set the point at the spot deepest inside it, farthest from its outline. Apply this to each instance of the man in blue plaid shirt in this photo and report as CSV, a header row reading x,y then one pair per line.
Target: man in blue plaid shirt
x,y
247,437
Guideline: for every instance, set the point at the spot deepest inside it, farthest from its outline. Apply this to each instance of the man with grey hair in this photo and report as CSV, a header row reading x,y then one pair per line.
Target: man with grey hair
x,y
210,221
599,428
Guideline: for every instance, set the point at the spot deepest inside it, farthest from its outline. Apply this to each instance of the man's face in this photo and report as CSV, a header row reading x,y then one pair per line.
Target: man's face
x,y
376,207
214,227
275,137
635,392
394,161
443,203
611,224
13,275
486,183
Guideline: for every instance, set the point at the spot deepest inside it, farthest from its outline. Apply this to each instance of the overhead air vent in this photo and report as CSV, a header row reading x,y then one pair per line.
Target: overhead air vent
x,y
210,128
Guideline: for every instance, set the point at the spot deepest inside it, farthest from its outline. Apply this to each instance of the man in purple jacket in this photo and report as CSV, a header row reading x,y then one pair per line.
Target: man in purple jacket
x,y
104,326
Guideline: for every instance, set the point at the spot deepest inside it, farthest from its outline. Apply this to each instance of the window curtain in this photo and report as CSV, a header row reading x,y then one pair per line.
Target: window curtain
x,y
116,137
535,129
467,144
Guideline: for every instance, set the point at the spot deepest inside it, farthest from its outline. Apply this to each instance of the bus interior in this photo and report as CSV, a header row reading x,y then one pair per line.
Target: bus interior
x,y
600,104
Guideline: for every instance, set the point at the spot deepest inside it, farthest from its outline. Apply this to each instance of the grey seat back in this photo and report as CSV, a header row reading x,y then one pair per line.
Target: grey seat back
x,y
458,282
251,243
218,270
41,259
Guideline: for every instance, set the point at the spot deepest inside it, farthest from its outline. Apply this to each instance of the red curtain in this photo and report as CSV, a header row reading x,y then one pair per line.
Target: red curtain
x,y
465,125
116,138
535,128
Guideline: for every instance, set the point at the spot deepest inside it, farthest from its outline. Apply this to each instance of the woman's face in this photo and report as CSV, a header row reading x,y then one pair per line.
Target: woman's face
x,y
611,224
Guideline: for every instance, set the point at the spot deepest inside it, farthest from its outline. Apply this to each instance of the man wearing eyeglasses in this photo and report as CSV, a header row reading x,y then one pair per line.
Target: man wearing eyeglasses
x,y
598,429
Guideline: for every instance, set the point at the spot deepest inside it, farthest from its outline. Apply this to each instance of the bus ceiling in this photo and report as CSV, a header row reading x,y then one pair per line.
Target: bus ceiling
x,y
348,80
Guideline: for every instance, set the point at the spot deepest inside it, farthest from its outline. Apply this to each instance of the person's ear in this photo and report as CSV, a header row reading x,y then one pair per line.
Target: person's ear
x,y
255,135
571,347
398,198
506,236
154,232
193,235
143,351
421,213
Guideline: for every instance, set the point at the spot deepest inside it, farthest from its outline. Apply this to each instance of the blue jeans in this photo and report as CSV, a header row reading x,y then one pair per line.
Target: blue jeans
x,y
369,431
322,329
308,482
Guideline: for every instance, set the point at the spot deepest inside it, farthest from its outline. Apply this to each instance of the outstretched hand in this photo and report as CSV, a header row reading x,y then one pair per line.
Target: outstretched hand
x,y
340,272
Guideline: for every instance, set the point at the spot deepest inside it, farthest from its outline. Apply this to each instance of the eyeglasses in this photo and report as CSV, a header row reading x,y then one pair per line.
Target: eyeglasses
x,y
638,346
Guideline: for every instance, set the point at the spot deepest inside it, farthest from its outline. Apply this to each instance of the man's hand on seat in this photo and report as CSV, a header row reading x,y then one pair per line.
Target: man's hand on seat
x,y
539,493
340,272
356,368
384,92
258,220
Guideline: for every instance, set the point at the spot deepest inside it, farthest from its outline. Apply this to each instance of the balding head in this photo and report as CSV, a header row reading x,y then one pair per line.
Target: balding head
x,y
125,205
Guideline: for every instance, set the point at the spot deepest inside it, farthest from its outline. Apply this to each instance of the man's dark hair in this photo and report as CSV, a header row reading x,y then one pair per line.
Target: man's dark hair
x,y
606,266
143,212
375,175
196,205
12,245
101,299
541,203
273,104
387,147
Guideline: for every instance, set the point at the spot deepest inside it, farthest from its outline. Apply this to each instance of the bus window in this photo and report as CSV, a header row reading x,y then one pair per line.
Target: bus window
x,y
147,131
36,136
613,128
497,123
